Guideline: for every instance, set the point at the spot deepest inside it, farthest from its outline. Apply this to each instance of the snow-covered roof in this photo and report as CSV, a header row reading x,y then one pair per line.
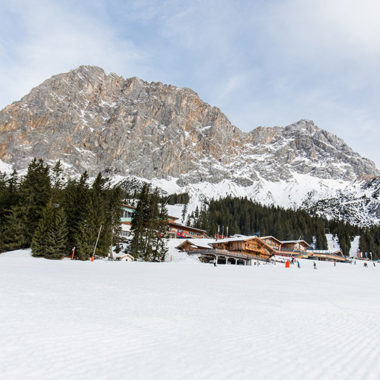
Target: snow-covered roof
x,y
227,240
295,241
203,243
186,227
271,237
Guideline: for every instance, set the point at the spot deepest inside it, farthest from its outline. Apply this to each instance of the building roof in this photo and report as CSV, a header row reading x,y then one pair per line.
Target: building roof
x,y
125,205
186,227
134,208
201,243
227,240
295,241
271,237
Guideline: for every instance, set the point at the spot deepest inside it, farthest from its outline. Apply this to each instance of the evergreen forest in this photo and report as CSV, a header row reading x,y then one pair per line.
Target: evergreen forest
x,y
243,216
58,218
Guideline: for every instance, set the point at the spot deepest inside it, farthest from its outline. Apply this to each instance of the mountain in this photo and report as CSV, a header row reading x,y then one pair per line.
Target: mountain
x,y
168,135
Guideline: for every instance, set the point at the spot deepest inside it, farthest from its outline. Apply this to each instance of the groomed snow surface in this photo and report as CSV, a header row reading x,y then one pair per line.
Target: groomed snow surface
x,y
118,320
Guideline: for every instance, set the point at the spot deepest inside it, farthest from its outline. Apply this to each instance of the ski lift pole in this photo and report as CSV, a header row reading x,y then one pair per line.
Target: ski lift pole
x,y
97,239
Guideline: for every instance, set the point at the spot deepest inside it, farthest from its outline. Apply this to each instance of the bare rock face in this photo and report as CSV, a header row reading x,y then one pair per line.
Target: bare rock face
x,y
93,121
97,122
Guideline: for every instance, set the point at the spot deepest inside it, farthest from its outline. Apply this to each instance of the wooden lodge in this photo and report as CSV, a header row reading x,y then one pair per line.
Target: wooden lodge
x,y
295,245
243,249
175,230
195,245
288,248
229,251
253,247
325,255
272,242
126,219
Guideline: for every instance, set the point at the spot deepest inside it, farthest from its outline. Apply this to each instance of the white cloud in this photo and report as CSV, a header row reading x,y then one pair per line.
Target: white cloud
x,y
261,63
338,29
56,39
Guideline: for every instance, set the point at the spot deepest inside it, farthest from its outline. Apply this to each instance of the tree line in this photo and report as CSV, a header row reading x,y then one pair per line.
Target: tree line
x,y
53,216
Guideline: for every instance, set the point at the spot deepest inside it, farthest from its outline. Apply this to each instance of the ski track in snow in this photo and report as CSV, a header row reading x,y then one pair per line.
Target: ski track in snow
x,y
111,320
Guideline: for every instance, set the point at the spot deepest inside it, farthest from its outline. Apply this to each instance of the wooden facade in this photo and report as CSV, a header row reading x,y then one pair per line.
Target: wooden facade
x,y
253,247
325,255
272,242
295,245
177,230
189,245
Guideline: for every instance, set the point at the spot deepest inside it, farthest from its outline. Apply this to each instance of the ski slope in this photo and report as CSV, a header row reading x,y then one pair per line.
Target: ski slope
x,y
118,320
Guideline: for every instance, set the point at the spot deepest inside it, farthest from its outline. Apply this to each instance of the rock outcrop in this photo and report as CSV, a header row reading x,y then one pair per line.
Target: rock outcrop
x,y
97,122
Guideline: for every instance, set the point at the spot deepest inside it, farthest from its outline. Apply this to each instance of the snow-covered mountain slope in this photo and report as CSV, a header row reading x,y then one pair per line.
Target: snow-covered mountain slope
x,y
169,136
358,203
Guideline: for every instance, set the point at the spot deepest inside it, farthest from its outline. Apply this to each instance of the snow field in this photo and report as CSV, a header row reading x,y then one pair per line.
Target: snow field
x,y
111,320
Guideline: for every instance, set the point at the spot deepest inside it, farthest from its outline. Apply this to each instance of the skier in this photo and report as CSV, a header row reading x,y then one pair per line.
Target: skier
x,y
365,265
215,262
315,265
374,264
334,263
298,264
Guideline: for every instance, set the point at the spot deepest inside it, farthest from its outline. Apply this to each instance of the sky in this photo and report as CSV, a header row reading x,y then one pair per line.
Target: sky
x,y
262,62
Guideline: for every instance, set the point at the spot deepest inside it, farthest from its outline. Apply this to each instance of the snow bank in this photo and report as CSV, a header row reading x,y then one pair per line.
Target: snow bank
x,y
5,168
355,247
332,242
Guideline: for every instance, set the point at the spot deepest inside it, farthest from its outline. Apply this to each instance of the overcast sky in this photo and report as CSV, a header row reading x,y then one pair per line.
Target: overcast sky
x,y
261,62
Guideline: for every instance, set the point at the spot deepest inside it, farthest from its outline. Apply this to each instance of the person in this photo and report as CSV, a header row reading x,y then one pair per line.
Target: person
x,y
334,263
214,262
315,265
374,264
365,265
298,264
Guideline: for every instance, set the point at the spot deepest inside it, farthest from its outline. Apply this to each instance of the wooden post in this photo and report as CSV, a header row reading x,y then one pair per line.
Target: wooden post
x,y
97,239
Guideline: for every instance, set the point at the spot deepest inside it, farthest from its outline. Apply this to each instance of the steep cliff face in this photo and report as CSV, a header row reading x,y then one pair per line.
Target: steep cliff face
x,y
97,122
93,121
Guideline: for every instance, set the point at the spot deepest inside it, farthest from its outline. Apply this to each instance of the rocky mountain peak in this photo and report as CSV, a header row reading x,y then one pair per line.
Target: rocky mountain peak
x,y
94,121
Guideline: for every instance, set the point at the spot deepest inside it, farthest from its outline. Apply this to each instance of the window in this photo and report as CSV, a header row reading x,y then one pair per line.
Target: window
x,y
127,214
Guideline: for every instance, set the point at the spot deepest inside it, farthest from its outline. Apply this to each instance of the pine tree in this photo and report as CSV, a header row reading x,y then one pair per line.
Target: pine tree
x,y
14,235
138,224
93,221
160,248
9,197
149,226
49,239
57,183
57,235
75,203
35,192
